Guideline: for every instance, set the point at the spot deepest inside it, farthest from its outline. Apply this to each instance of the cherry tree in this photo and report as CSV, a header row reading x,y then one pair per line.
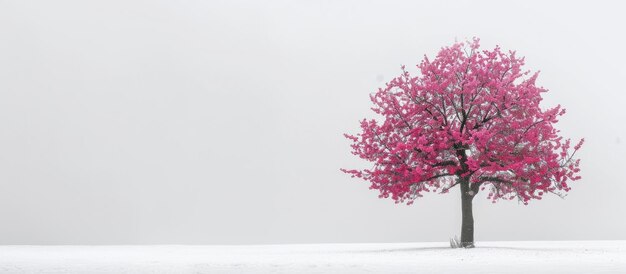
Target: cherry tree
x,y
471,118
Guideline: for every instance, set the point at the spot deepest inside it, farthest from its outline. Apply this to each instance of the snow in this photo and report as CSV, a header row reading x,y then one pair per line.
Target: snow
x,y
488,257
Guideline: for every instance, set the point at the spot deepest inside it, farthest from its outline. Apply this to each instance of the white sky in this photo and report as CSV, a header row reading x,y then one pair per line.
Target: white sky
x,y
220,122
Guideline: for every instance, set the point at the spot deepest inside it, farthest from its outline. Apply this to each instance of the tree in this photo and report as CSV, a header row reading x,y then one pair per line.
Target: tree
x,y
470,118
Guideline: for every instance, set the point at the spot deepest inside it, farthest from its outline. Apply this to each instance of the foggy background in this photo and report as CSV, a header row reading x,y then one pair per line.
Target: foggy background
x,y
221,122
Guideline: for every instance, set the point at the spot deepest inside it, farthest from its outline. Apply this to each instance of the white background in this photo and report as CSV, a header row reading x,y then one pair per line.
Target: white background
x,y
220,122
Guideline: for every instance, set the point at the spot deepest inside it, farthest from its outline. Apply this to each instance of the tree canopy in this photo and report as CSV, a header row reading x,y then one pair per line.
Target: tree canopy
x,y
468,115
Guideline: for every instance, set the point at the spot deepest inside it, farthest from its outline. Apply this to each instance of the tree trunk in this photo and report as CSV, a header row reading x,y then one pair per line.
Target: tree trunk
x,y
467,224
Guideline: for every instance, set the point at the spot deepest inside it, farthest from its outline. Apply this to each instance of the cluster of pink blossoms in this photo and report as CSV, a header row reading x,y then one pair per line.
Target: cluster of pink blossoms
x,y
470,115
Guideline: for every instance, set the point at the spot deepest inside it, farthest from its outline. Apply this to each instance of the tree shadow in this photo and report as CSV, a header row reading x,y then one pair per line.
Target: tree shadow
x,y
439,248
526,248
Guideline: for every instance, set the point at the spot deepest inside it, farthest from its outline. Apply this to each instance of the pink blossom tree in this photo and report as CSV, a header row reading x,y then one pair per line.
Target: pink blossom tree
x,y
471,118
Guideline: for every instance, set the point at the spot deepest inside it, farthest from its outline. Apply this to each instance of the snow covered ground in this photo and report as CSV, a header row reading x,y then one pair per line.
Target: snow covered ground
x,y
488,257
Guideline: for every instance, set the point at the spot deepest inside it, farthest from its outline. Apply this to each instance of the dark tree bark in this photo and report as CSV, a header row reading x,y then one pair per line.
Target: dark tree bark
x,y
467,223
468,191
